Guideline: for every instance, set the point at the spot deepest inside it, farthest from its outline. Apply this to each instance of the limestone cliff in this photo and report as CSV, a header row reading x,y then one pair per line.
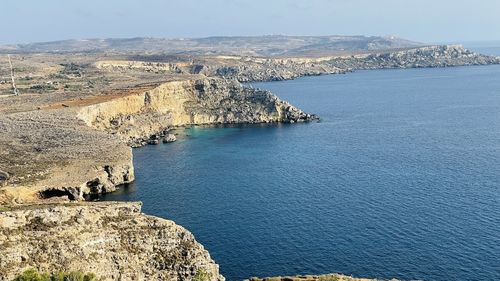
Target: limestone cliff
x,y
208,101
113,240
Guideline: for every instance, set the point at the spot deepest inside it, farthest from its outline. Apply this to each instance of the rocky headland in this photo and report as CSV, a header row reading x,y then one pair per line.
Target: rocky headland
x,y
115,241
70,133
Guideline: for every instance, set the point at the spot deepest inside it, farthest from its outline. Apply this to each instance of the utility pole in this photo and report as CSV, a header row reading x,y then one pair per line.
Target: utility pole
x,y
14,88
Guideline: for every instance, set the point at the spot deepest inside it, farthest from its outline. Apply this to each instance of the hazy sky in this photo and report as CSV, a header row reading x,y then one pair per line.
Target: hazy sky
x,y
420,20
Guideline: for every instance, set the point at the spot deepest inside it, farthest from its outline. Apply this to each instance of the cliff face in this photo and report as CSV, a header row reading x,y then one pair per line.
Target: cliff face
x,y
210,101
113,240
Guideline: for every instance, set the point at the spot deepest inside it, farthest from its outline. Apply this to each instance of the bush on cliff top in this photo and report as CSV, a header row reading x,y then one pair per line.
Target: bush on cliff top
x,y
201,275
34,275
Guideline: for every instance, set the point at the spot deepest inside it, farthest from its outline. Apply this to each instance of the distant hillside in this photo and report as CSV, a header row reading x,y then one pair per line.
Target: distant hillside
x,y
273,45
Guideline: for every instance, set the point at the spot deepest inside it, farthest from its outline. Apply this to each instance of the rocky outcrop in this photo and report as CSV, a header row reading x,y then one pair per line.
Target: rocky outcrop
x,y
169,138
210,101
115,241
431,56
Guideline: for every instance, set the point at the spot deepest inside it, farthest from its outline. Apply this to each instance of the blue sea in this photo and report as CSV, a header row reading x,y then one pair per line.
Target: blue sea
x,y
399,179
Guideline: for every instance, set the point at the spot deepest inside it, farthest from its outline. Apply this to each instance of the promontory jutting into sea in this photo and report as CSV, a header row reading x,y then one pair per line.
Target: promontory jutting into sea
x,y
225,158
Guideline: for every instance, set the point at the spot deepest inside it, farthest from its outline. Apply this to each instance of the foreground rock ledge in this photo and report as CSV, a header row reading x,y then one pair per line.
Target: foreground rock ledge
x,y
113,240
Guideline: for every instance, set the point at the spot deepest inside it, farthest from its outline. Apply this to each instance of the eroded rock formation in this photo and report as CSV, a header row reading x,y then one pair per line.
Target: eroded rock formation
x,y
115,241
208,101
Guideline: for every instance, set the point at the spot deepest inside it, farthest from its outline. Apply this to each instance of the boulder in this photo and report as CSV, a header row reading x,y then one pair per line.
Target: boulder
x,y
169,138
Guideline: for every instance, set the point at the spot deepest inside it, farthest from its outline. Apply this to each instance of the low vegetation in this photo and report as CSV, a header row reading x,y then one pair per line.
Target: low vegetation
x,y
201,275
35,275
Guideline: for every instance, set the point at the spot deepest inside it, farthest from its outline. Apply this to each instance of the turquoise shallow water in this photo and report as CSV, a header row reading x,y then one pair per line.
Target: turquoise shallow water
x,y
401,178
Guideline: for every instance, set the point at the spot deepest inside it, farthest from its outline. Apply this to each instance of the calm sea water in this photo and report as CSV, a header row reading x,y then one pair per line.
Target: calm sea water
x,y
401,178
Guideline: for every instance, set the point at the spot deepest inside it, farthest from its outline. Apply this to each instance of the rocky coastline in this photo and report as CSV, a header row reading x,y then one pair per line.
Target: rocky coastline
x,y
62,145
258,69
93,142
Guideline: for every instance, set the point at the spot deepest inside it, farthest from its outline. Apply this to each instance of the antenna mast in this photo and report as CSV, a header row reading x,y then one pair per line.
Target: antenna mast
x,y
14,88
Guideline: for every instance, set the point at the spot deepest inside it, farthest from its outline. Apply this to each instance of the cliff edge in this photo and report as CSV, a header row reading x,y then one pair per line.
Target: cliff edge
x,y
113,240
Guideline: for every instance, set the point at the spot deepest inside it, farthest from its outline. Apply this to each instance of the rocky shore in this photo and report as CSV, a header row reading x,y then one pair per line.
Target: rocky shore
x,y
70,135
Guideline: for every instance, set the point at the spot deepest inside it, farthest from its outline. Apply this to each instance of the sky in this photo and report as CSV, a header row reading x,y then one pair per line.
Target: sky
x,y
429,21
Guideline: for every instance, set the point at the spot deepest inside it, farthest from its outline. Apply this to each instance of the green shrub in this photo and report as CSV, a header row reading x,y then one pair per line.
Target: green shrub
x,y
34,275
43,87
201,275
